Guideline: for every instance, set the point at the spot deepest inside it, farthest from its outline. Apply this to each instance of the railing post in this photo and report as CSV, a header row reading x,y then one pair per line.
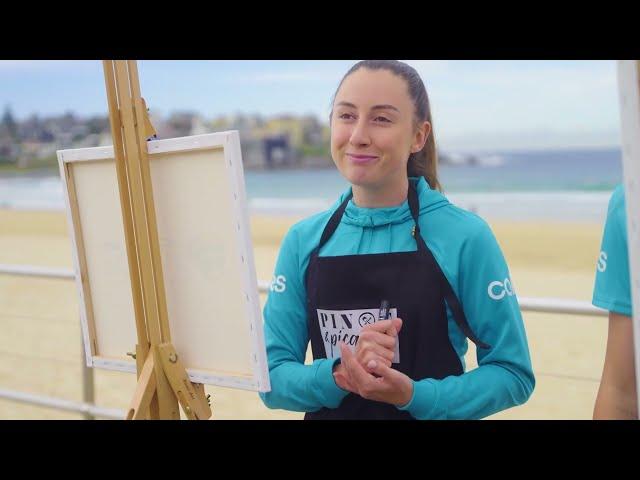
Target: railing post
x,y
88,391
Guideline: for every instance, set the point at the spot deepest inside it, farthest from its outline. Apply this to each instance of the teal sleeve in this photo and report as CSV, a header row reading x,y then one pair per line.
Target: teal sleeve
x,y
612,288
294,385
504,377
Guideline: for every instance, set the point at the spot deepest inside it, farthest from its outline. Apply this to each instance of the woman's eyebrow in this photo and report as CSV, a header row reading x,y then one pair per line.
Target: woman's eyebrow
x,y
375,107
385,107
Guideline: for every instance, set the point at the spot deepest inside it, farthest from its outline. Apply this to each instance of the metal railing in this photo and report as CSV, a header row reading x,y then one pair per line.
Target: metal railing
x,y
86,407
91,411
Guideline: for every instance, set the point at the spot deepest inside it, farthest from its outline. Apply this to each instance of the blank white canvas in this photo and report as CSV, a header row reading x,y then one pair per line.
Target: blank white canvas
x,y
207,258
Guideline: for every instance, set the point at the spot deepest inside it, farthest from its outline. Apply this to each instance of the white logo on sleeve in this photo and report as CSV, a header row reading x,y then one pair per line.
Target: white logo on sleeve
x,y
278,284
602,261
345,326
497,290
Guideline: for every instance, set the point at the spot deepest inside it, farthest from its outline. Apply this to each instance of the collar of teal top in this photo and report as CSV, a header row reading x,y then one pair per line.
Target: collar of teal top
x,y
354,215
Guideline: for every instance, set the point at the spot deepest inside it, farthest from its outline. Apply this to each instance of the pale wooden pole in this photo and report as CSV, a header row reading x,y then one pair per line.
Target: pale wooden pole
x,y
629,94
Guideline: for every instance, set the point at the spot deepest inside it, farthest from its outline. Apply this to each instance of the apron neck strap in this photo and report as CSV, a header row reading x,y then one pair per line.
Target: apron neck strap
x,y
414,206
334,221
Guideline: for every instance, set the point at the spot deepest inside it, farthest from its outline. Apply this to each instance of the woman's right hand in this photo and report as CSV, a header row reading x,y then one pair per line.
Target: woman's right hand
x,y
378,342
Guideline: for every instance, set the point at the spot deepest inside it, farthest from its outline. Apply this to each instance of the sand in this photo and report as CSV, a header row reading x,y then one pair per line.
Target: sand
x,y
41,353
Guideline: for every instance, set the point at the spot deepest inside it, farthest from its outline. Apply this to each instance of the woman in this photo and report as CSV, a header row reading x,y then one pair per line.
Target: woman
x,y
392,237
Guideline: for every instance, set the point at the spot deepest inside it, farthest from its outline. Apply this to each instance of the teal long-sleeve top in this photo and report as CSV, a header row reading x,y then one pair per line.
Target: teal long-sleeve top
x,y
612,288
470,257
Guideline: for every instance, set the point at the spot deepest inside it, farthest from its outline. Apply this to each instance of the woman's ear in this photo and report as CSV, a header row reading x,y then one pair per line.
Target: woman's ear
x,y
421,135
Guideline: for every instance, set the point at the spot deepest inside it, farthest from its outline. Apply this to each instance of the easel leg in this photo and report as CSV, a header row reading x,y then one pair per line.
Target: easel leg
x,y
190,396
144,392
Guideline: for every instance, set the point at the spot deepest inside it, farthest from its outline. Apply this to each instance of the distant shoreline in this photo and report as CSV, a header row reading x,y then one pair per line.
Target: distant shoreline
x,y
315,163
41,172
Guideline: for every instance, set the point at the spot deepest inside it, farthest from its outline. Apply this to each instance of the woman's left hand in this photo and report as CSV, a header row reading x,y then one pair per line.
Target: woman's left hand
x,y
390,386
342,379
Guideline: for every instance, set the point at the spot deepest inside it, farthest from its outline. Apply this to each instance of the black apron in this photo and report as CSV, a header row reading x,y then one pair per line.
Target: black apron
x,y
348,290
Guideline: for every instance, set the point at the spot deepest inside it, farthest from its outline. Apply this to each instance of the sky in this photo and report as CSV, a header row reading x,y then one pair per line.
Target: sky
x,y
476,104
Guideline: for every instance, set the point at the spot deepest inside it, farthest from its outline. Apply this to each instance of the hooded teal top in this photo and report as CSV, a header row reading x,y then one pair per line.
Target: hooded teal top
x,y
612,289
472,261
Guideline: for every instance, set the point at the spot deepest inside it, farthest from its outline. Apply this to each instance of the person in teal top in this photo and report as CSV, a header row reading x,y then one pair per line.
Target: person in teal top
x,y
616,397
392,242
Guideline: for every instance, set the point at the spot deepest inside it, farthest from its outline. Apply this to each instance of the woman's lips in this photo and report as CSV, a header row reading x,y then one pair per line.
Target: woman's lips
x,y
361,159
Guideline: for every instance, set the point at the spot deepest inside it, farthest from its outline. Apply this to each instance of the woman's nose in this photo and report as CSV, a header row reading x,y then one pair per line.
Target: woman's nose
x,y
360,134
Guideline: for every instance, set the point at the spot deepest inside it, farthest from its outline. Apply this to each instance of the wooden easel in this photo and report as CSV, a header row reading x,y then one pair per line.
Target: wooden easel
x,y
162,378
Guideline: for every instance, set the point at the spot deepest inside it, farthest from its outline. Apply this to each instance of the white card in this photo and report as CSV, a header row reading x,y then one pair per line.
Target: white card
x,y
345,326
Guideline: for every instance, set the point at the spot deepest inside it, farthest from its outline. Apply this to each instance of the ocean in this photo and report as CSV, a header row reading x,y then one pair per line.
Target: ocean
x,y
562,185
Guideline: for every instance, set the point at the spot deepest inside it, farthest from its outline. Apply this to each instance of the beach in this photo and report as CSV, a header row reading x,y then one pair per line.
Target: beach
x,y
41,352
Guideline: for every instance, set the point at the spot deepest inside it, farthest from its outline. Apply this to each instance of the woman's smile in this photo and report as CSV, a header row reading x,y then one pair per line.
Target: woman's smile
x,y
359,159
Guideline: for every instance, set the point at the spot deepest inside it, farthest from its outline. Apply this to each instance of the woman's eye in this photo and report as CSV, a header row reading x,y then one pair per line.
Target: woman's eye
x,y
346,116
382,119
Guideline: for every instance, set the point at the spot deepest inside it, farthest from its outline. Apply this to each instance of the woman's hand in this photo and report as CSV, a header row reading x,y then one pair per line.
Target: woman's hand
x,y
389,386
341,377
378,342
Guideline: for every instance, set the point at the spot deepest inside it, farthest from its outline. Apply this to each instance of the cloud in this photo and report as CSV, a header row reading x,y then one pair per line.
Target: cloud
x,y
429,68
20,66
299,72
552,77
273,77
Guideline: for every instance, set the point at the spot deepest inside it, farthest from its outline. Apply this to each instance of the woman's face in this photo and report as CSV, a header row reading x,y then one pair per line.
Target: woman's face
x,y
373,130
